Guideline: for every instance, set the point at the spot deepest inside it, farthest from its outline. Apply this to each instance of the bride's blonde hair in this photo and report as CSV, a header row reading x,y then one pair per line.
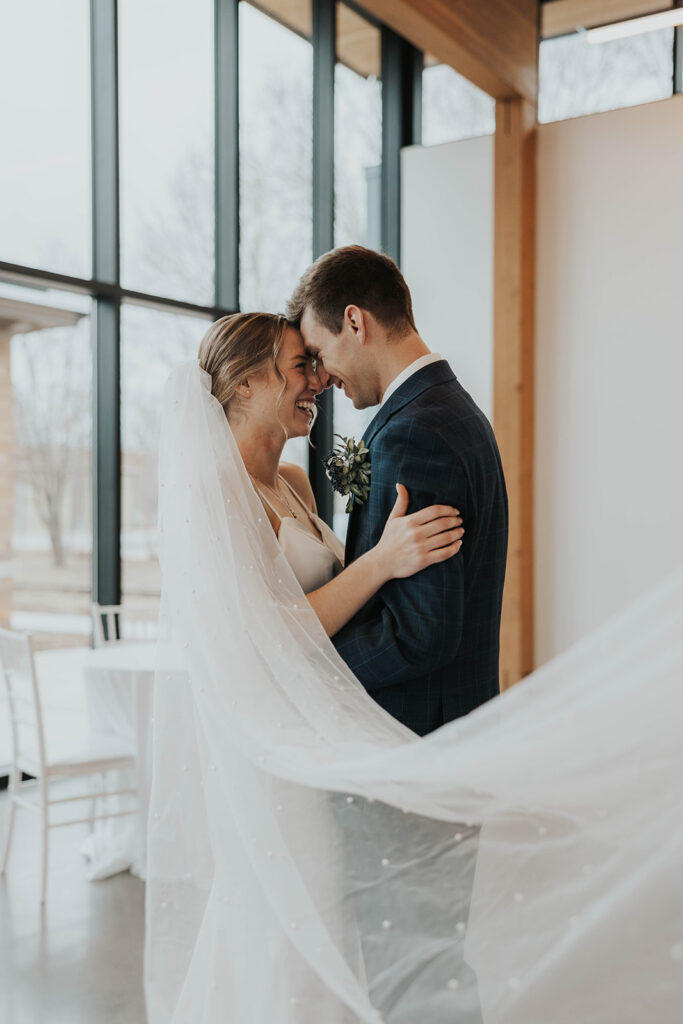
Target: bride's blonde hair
x,y
241,345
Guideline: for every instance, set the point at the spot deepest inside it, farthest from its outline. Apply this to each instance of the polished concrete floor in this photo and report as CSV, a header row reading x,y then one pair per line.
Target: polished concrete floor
x,y
78,960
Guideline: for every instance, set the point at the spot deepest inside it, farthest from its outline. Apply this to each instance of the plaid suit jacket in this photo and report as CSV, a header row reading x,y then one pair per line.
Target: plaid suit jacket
x,y
426,648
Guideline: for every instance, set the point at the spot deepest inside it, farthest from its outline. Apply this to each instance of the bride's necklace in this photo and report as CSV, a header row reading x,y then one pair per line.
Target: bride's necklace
x,y
278,493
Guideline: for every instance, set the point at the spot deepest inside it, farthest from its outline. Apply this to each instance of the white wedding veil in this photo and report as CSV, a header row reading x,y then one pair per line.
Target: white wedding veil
x,y
311,861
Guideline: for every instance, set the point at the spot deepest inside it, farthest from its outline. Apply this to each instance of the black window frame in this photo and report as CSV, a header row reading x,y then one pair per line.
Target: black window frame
x,y
401,114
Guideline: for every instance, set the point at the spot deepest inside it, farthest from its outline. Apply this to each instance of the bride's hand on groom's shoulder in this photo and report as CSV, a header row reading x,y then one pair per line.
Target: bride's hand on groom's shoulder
x,y
410,543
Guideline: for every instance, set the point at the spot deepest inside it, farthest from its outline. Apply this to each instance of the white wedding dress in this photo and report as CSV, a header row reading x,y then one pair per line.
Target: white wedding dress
x,y
309,857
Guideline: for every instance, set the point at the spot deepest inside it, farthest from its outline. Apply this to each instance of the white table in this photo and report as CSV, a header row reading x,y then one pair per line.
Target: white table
x,y
118,684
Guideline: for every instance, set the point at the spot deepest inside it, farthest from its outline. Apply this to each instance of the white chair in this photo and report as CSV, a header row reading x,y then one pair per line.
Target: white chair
x,y
31,755
111,624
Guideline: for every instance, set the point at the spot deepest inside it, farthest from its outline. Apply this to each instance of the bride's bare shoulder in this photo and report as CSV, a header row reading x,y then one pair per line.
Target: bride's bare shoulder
x,y
298,479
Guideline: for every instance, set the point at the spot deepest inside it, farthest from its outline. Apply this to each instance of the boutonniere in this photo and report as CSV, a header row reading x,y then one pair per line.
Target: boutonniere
x,y
348,470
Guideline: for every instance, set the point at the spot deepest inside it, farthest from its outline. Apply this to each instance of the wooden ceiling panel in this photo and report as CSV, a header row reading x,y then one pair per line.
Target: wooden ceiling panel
x,y
293,14
494,43
359,43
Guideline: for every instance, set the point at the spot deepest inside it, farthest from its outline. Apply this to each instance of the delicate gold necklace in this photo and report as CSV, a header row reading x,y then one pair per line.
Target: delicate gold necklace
x,y
278,493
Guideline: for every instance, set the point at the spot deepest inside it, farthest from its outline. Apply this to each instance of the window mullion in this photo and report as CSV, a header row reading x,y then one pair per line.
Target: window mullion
x,y
324,48
226,71
106,470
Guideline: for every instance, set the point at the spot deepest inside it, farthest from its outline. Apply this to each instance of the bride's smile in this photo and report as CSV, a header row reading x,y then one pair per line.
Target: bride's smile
x,y
302,385
281,400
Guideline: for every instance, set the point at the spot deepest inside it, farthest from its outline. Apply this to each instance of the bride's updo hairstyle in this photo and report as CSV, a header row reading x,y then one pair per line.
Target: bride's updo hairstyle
x,y
239,346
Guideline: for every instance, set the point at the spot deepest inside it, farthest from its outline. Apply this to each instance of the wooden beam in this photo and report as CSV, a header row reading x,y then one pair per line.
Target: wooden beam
x,y
514,268
494,43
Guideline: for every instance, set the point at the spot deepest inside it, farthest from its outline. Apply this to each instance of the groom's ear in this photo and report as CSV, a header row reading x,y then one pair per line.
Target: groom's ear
x,y
354,319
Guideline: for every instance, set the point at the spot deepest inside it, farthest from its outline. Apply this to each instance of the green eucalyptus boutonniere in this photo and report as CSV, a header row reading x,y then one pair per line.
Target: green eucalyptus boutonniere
x,y
348,469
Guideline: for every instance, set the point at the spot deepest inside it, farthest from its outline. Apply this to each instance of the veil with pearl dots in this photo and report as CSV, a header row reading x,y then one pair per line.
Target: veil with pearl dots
x,y
311,861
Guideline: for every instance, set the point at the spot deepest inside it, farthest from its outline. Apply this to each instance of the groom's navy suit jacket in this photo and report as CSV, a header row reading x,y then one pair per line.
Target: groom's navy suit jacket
x,y
426,648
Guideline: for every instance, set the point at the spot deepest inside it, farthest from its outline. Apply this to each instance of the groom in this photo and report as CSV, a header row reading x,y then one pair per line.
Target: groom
x,y
425,648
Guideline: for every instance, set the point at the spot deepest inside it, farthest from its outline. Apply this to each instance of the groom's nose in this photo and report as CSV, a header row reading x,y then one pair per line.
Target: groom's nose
x,y
313,378
326,380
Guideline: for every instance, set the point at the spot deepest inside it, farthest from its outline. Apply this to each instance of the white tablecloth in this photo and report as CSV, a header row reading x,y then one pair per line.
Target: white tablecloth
x,y
118,684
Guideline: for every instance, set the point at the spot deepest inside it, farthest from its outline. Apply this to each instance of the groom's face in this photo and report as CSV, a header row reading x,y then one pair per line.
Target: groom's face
x,y
342,360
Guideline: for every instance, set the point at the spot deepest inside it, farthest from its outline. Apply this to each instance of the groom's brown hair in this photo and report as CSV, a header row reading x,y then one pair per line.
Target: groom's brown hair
x,y
353,276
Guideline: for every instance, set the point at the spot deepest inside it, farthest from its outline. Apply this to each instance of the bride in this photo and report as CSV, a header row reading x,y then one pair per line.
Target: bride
x,y
310,859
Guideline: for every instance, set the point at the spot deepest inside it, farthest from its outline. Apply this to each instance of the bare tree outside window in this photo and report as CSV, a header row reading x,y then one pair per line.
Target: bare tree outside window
x,y
51,389
152,343
276,157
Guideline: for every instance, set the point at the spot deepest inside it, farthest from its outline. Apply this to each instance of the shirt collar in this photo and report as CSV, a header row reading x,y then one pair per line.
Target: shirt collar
x,y
431,357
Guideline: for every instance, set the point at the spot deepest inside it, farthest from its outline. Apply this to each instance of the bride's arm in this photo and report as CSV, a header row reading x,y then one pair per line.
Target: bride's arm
x,y
407,545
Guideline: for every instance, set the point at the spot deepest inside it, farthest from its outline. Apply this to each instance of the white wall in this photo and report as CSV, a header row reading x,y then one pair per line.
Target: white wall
x,y
609,365
609,342
447,255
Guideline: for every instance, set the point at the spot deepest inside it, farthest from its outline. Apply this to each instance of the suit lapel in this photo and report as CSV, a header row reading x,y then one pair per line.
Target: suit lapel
x,y
427,377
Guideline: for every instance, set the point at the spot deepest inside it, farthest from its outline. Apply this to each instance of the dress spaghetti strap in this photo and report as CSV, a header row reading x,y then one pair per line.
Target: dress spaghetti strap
x,y
299,502
269,503
296,496
313,519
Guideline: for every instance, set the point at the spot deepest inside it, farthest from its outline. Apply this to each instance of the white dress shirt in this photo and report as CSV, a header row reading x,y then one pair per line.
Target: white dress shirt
x,y
431,357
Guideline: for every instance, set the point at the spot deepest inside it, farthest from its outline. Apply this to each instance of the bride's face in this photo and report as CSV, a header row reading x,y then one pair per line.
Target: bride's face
x,y
295,410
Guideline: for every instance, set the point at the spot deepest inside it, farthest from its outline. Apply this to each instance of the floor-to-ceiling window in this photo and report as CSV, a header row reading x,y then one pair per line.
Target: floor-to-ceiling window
x,y
276,153
45,335
166,118
152,342
45,198
160,168
276,147
45,454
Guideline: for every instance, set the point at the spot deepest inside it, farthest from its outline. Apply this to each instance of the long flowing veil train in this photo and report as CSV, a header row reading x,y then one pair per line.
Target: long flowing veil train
x,y
311,860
